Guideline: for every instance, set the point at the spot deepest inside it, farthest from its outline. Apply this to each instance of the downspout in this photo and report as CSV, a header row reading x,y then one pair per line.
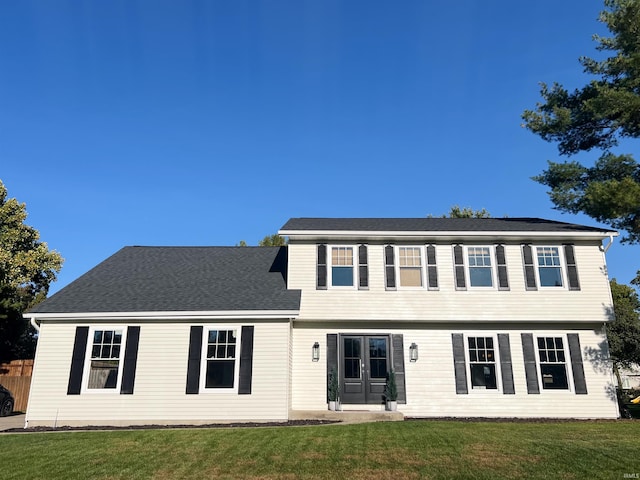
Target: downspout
x,y
606,249
35,325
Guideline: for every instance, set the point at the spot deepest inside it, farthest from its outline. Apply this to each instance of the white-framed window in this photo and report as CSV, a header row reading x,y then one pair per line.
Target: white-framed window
x,y
410,271
483,372
220,354
342,271
549,266
104,359
552,361
480,266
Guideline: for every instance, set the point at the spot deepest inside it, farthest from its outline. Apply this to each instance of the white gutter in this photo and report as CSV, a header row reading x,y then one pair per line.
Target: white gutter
x,y
218,315
301,234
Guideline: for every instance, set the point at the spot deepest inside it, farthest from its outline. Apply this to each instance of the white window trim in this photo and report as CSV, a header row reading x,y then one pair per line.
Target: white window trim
x,y
87,361
203,358
354,266
567,364
494,267
562,267
483,391
423,267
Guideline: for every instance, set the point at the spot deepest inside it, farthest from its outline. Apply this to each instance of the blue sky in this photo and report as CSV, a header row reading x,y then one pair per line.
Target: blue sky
x,y
208,122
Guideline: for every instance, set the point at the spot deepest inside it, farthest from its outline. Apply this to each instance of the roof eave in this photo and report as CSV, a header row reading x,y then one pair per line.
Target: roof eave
x,y
142,316
444,235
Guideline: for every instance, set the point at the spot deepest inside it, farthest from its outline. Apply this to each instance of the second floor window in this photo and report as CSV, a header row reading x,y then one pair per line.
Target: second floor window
x,y
410,266
549,269
342,266
480,270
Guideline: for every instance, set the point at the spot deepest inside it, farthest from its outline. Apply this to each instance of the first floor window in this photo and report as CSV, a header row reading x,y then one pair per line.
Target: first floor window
x,y
221,353
105,363
342,266
410,265
553,367
482,361
549,269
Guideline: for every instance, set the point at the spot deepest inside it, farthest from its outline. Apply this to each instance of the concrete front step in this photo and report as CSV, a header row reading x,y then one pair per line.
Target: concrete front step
x,y
347,416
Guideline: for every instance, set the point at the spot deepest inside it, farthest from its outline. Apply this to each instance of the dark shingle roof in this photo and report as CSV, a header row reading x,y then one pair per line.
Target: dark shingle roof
x,y
435,225
148,279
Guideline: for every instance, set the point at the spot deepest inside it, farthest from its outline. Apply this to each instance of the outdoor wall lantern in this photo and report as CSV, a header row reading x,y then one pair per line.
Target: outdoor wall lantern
x,y
413,352
315,352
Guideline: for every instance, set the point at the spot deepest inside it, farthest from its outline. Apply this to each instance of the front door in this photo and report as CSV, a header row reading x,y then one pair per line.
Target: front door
x,y
365,360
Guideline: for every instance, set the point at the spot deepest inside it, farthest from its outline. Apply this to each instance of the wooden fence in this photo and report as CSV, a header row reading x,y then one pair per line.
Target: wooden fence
x,y
16,377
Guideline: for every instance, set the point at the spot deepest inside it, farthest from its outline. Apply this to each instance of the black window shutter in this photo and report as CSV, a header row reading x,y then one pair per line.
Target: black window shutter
x,y
77,361
432,268
457,341
193,366
363,268
332,356
530,369
398,366
389,268
504,348
579,380
321,277
501,260
246,361
529,268
572,269
458,260
130,360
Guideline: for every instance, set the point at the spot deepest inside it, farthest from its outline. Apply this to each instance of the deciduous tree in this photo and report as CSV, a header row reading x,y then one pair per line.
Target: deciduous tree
x,y
27,268
274,240
465,212
624,332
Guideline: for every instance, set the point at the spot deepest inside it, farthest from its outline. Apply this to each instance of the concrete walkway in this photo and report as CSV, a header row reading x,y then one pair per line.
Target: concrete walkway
x,y
346,416
12,421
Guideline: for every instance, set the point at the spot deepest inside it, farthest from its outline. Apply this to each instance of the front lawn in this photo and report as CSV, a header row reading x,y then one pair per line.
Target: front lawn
x,y
395,450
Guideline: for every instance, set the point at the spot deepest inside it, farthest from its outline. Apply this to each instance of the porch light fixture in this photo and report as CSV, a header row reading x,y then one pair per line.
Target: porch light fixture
x,y
315,352
413,352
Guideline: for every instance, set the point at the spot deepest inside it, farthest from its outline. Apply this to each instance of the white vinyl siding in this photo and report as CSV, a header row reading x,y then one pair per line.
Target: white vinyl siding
x,y
159,395
430,382
591,303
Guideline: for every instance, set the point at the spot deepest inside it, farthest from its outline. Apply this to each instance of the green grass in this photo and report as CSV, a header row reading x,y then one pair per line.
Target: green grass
x,y
395,450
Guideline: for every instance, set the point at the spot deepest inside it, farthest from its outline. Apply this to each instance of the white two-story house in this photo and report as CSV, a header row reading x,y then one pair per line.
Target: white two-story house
x,y
476,318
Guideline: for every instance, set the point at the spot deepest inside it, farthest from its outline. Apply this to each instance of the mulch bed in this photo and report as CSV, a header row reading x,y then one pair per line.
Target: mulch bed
x,y
300,423
518,420
290,423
